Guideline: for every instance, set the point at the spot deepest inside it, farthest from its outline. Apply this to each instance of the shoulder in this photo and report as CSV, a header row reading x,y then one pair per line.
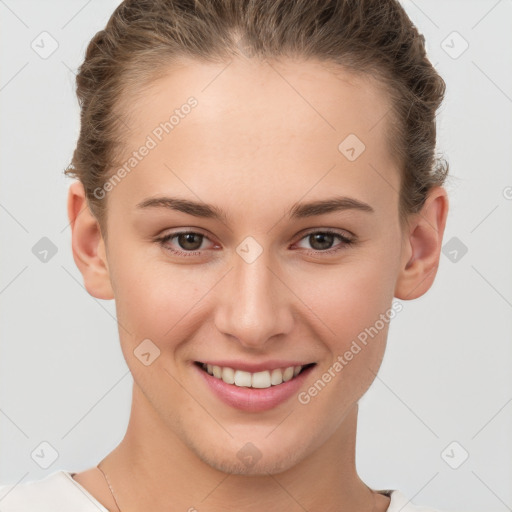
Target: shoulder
x,y
399,502
56,492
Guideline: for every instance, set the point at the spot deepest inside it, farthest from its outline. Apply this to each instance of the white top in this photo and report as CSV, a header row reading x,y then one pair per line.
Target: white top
x,y
58,492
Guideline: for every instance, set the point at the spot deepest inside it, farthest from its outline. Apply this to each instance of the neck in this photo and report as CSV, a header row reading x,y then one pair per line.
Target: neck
x,y
153,469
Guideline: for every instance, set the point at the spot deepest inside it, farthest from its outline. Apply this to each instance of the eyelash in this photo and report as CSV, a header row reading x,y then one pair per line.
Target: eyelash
x,y
347,242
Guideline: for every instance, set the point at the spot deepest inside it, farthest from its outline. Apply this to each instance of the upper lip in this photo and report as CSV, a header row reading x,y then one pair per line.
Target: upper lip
x,y
255,367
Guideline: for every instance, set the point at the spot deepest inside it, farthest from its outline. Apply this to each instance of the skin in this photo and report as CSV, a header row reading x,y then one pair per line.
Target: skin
x,y
263,136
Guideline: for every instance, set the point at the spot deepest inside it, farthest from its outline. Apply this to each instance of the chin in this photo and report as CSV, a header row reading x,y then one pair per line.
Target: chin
x,y
272,464
258,455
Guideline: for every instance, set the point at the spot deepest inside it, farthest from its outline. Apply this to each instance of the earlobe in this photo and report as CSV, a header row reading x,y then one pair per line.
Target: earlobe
x,y
88,245
422,248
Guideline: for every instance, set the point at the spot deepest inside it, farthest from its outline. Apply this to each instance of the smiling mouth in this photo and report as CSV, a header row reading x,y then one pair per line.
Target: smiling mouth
x,y
257,380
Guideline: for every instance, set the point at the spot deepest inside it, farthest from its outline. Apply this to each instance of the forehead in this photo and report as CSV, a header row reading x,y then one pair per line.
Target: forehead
x,y
262,126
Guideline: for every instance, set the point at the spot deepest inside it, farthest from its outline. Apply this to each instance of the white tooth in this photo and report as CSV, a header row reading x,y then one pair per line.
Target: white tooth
x,y
242,379
261,380
258,380
276,377
288,373
228,375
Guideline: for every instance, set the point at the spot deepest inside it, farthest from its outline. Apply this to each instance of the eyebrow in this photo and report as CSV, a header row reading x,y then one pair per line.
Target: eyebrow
x,y
298,210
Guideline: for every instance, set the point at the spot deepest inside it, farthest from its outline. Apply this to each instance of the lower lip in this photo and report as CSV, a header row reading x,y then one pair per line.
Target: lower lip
x,y
252,399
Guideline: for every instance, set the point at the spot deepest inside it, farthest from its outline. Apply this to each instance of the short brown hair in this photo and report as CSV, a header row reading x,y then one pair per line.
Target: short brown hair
x,y
375,38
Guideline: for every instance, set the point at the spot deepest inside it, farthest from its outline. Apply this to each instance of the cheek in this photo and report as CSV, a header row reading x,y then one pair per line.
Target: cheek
x,y
353,303
155,300
349,305
349,298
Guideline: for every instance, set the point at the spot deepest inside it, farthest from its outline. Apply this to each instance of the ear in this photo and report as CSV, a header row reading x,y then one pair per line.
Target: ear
x,y
421,248
88,245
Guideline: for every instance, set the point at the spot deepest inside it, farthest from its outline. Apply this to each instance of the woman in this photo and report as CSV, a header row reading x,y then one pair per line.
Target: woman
x,y
256,182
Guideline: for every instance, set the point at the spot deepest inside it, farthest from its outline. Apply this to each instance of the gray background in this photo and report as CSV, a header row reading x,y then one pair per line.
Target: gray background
x,y
446,374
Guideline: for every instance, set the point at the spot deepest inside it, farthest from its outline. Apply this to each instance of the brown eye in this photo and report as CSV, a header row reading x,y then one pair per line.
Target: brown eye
x,y
183,243
190,241
321,241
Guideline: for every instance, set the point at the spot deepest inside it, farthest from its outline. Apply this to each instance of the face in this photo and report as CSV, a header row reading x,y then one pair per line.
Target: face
x,y
261,282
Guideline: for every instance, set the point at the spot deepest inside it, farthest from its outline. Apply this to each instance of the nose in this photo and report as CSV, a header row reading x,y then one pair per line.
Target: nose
x,y
253,305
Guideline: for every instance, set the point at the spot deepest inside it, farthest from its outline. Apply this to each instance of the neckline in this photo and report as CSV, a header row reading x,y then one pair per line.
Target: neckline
x,y
81,488
389,493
